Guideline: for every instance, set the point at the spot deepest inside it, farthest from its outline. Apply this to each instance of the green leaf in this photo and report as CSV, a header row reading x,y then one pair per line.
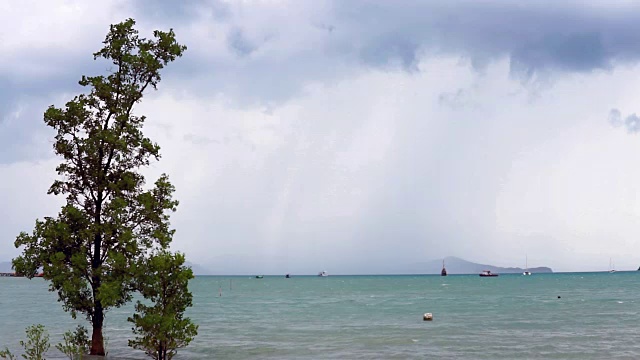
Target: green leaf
x,y
161,328
110,219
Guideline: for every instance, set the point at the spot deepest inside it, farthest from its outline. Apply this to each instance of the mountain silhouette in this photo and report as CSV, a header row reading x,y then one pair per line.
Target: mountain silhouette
x,y
457,265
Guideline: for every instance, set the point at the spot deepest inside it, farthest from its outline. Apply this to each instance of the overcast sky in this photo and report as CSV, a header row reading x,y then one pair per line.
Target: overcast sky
x,y
357,136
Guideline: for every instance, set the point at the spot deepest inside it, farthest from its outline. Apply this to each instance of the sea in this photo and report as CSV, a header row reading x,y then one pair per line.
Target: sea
x,y
543,316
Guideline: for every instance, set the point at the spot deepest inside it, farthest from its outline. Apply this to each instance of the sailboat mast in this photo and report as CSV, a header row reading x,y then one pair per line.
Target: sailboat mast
x,y
443,272
526,266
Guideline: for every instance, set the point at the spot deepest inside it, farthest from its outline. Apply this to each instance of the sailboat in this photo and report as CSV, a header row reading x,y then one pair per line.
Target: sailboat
x,y
444,271
611,267
526,267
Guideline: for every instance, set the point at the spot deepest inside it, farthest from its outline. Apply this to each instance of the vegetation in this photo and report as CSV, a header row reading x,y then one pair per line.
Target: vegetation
x,y
35,347
75,344
37,343
92,250
6,354
162,327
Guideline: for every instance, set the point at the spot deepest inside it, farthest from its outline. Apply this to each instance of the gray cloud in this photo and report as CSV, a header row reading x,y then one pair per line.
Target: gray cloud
x,y
391,47
615,118
199,139
376,172
25,97
456,99
239,44
631,122
538,38
183,11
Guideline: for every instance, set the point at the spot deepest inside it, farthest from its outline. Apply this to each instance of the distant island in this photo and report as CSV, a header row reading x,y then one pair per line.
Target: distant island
x,y
456,265
197,268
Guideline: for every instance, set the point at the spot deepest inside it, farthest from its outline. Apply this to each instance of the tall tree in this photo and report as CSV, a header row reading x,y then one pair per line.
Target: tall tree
x,y
110,220
161,327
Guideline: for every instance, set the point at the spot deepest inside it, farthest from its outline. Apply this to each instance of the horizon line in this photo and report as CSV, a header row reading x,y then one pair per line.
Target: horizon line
x,y
419,274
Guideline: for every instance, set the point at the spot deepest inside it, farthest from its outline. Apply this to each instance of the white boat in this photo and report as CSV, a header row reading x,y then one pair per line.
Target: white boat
x,y
611,267
323,273
526,267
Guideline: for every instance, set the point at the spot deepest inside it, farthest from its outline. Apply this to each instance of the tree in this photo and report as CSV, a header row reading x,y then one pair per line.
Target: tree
x,y
35,347
37,343
110,220
76,343
162,327
6,354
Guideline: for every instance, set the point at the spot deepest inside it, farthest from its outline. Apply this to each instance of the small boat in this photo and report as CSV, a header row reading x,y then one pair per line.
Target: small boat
x,y
487,273
259,276
323,274
526,267
287,276
444,271
611,267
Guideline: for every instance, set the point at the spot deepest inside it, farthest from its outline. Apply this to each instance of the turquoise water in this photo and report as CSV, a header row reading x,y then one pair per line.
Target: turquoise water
x,y
365,317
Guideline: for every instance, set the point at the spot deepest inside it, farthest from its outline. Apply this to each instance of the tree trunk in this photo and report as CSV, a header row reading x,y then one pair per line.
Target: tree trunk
x,y
162,352
97,342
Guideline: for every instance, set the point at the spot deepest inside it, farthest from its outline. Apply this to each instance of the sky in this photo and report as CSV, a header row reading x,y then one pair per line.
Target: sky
x,y
357,136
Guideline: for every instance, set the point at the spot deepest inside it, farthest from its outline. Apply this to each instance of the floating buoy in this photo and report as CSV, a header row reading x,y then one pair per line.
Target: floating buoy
x,y
427,317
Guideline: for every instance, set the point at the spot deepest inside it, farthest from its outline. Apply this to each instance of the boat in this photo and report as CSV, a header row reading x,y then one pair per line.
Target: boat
x,y
323,274
526,267
611,267
287,276
444,271
487,273
259,276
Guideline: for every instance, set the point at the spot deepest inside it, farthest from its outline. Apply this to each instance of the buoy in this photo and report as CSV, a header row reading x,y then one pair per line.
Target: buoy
x,y
427,317
558,296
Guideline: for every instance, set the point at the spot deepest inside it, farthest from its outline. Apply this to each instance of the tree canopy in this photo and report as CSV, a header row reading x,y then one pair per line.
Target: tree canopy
x,y
161,328
91,251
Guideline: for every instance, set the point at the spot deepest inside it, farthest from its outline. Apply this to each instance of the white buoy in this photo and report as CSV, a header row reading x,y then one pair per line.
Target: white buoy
x,y
427,317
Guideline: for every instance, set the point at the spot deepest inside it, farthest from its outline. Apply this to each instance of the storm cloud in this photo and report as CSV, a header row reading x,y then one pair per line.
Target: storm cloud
x,y
357,136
